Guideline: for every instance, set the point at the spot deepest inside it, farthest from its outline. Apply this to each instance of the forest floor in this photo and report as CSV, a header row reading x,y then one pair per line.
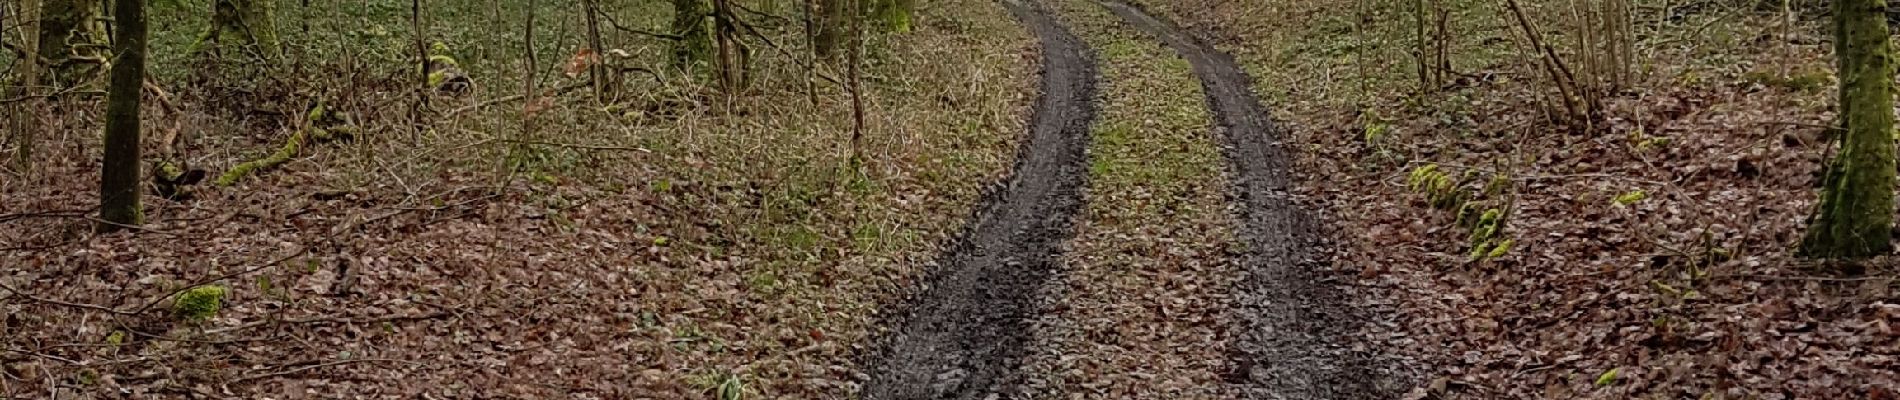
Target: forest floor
x,y
1231,207
1650,256
667,244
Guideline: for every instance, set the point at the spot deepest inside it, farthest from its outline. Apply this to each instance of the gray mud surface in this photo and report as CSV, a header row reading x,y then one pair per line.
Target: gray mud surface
x,y
962,335
1296,338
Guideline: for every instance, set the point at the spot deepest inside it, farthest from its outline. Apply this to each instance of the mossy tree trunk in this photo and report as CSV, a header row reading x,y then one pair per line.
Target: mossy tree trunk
x,y
245,26
832,24
119,180
1855,217
894,15
829,27
695,37
72,40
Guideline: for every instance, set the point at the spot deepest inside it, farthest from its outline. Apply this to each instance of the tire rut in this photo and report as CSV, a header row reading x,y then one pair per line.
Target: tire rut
x,y
1296,334
963,334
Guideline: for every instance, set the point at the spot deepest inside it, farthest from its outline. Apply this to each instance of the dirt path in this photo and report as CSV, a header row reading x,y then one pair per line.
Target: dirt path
x,y
963,335
1295,338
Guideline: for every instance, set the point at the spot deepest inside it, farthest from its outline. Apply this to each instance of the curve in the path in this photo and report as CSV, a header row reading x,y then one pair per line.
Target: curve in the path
x,y
1295,338
962,336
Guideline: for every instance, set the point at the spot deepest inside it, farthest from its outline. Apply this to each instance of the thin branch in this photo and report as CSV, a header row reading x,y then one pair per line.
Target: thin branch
x,y
788,54
140,228
616,25
201,282
741,6
577,146
330,320
1818,278
514,97
315,366
69,91
154,301
23,294
44,214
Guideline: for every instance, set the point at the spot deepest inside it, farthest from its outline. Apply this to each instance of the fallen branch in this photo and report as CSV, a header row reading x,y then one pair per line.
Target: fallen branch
x,y
44,214
321,365
616,25
577,146
504,99
154,301
201,282
314,126
130,226
19,293
330,320
69,91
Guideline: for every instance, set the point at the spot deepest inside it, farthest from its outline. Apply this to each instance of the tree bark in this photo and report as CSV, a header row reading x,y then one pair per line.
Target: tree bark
x,y
245,25
830,24
695,38
119,180
856,71
26,122
596,68
71,37
894,15
1855,217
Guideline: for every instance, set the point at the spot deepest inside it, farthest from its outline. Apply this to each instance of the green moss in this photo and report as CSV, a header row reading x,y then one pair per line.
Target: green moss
x,y
1440,190
732,388
1855,216
1484,236
694,43
1501,249
438,77
116,338
317,112
1631,198
283,155
1811,81
199,303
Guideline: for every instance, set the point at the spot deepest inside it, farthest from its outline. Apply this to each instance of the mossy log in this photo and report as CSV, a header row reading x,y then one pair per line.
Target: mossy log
x,y
445,74
320,125
280,157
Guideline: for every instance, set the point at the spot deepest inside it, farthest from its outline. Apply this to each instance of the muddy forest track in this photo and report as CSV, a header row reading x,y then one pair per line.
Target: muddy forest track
x,y
1295,338
962,336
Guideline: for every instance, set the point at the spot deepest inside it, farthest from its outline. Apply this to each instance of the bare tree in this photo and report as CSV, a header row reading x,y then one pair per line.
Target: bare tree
x,y
596,71
1855,216
119,180
71,40
857,84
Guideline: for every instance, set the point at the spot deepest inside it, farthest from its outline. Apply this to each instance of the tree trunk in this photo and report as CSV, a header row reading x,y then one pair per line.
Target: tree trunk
x,y
695,39
242,25
26,121
856,73
830,24
596,68
1855,217
894,15
71,37
119,180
